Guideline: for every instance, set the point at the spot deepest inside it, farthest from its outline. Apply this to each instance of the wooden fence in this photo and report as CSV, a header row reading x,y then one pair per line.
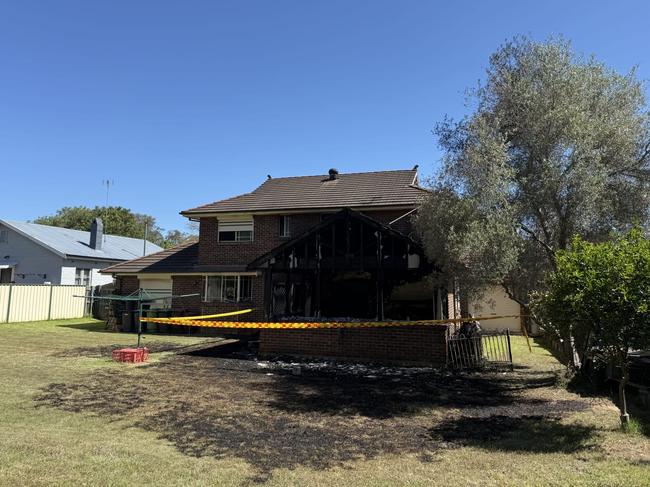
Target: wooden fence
x,y
35,302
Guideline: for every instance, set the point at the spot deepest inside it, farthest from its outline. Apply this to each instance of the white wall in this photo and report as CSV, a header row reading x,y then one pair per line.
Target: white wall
x,y
67,275
496,302
32,260
95,266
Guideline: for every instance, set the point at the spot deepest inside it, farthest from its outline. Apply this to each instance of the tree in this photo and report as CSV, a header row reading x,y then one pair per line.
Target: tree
x,y
117,221
599,295
557,145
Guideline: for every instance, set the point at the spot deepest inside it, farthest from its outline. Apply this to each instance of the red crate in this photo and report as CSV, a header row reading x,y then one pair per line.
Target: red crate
x,y
133,355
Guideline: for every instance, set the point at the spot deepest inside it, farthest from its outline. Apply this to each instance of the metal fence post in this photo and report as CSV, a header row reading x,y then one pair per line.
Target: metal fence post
x,y
9,302
49,306
512,365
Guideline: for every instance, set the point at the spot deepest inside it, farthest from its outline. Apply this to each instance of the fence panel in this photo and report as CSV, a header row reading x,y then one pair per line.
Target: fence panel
x,y
65,305
35,302
479,350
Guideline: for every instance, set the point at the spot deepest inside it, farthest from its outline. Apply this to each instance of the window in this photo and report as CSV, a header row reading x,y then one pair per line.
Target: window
x,y
4,236
231,289
236,231
82,277
285,229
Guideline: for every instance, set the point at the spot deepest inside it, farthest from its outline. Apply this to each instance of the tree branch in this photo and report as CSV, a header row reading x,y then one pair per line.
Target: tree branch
x,y
547,247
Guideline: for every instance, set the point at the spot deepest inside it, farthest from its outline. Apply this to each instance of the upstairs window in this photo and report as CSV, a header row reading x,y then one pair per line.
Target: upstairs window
x,y
236,231
285,226
229,289
4,236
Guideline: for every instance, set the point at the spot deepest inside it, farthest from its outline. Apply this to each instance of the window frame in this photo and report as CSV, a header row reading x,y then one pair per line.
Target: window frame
x,y
4,236
238,229
82,276
220,296
285,226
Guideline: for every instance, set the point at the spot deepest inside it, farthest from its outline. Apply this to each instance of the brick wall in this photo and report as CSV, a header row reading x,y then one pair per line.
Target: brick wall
x,y
187,285
402,345
126,285
404,225
266,236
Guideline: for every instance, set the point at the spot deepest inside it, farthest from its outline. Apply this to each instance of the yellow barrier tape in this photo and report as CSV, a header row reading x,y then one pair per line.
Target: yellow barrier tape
x,y
182,321
219,315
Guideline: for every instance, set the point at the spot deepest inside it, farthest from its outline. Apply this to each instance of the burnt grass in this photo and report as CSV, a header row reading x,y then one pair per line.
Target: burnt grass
x,y
327,416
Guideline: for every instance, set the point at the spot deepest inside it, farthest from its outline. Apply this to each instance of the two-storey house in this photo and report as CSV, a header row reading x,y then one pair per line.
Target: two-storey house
x,y
335,246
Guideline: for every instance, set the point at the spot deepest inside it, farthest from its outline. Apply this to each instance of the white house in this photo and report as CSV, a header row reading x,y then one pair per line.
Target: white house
x,y
38,254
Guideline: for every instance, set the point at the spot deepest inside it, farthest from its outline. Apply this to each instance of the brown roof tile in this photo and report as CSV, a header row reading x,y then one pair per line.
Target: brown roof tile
x,y
353,190
181,258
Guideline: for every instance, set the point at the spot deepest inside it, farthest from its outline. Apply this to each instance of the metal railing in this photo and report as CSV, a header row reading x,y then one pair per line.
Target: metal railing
x,y
479,350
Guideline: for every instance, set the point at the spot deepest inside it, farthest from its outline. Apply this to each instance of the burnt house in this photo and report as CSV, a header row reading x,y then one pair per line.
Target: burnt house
x,y
334,246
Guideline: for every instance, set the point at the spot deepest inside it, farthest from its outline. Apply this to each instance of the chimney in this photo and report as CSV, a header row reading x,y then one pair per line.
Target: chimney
x,y
334,174
96,234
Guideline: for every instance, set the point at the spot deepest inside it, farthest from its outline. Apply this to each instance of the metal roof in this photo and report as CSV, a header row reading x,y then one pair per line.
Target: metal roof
x,y
181,258
76,243
351,190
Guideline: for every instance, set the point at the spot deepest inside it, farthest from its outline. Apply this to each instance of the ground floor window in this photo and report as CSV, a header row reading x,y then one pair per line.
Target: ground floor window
x,y
228,288
82,277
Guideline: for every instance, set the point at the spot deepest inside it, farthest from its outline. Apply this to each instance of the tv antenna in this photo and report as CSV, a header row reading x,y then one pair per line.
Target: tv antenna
x,y
108,183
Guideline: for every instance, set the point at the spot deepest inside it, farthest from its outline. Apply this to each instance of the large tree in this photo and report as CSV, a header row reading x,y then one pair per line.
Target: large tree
x,y
117,221
557,145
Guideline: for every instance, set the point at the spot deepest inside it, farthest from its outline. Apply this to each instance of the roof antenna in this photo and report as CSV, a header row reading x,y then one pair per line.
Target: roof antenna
x,y
108,183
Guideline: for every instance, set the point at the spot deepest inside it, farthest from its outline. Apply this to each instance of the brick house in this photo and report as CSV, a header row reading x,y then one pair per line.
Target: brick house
x,y
316,247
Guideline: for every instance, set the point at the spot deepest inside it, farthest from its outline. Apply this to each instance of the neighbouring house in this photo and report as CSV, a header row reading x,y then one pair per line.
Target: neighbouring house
x,y
41,254
496,302
334,246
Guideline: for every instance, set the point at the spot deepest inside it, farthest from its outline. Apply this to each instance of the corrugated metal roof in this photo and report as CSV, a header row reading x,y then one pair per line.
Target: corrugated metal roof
x,y
181,258
76,243
353,190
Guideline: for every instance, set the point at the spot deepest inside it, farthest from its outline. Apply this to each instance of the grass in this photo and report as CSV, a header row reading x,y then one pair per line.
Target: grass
x,y
68,415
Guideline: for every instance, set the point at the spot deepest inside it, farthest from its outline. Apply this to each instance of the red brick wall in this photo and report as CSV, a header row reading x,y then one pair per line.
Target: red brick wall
x,y
187,285
386,216
126,285
266,236
404,345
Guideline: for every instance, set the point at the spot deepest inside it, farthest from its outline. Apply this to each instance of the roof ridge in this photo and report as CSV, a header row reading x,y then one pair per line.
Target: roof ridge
x,y
66,228
340,174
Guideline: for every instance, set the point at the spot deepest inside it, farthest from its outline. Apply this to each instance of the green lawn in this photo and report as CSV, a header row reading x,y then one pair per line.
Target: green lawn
x,y
68,415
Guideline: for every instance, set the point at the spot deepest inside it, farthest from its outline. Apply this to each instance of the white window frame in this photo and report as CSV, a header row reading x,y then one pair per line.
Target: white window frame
x,y
285,226
239,228
220,298
82,277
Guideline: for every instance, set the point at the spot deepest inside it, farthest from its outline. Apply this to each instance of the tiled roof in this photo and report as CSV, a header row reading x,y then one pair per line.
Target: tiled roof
x,y
76,243
354,190
181,258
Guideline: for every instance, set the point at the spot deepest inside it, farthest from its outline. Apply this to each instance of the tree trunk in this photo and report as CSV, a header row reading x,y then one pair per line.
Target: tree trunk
x,y
622,403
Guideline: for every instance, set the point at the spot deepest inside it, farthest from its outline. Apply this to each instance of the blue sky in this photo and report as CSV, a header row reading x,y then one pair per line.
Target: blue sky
x,y
183,103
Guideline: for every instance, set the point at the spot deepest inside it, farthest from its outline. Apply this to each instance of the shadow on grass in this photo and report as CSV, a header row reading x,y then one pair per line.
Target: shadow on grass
x,y
94,326
532,434
272,419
